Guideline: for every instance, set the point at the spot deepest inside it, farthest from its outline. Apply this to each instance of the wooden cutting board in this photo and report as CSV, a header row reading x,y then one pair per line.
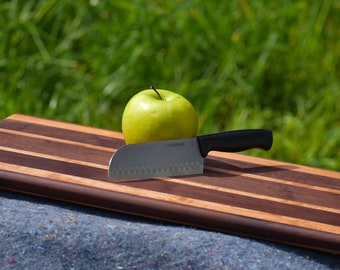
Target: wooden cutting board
x,y
238,194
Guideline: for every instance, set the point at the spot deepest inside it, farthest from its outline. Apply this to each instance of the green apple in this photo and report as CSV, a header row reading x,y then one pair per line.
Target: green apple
x,y
155,115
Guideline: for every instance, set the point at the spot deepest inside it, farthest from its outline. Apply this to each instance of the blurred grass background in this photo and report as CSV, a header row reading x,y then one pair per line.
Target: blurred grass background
x,y
243,64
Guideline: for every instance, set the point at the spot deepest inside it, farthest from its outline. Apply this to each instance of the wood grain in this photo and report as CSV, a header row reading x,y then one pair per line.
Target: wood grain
x,y
238,194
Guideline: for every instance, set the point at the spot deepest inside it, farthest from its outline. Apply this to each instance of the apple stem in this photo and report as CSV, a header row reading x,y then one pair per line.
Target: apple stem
x,y
159,95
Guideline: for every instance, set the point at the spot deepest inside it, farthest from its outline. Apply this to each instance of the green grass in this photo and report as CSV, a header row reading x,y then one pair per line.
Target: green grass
x,y
243,64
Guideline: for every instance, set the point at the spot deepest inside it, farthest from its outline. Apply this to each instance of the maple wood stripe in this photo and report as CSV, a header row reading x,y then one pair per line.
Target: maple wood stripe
x,y
254,195
94,141
20,158
165,197
64,125
7,151
215,187
49,138
269,188
53,165
237,200
60,133
274,180
212,195
39,144
233,156
44,147
281,172
119,135
275,163
56,147
105,161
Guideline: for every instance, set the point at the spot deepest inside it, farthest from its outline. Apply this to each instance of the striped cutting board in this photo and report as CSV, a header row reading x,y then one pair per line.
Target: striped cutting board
x,y
238,194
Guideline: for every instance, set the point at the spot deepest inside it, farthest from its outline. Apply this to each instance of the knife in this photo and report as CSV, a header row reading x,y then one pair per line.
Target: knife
x,y
182,156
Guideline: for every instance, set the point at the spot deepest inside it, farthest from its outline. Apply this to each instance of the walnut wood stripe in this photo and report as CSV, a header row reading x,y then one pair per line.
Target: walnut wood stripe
x,y
66,126
15,126
55,125
5,151
29,136
237,193
183,214
225,171
216,196
40,146
253,195
274,163
284,171
281,190
54,166
25,158
237,200
119,136
275,180
56,147
160,196
72,169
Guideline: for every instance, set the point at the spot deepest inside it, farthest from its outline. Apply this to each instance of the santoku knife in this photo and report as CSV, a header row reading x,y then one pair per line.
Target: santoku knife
x,y
182,156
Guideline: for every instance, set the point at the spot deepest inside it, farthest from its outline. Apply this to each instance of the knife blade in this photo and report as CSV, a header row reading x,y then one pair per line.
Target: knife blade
x,y
182,156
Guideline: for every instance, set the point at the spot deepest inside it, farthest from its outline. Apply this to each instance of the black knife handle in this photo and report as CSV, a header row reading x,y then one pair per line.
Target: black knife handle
x,y
236,141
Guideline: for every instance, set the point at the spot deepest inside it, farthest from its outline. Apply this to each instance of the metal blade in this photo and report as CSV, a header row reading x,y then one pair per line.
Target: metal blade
x,y
157,159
